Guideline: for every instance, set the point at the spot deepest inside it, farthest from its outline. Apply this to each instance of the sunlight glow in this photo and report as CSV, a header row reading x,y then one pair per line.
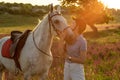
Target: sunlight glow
x,y
111,3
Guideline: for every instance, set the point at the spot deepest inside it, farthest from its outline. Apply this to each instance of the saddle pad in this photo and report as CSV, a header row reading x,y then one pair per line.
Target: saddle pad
x,y
6,49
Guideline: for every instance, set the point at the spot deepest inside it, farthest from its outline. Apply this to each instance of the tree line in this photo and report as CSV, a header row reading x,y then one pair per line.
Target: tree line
x,y
23,9
83,8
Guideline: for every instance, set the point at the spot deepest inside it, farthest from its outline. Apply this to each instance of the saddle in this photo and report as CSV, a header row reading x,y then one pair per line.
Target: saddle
x,y
18,40
15,37
13,46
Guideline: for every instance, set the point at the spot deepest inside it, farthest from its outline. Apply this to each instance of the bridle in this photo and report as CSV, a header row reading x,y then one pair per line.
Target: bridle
x,y
50,16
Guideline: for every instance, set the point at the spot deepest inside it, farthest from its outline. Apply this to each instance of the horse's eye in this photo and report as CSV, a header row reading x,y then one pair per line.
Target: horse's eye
x,y
56,21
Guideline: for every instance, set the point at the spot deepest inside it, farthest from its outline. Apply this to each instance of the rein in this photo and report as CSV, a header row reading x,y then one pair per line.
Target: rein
x,y
38,47
51,24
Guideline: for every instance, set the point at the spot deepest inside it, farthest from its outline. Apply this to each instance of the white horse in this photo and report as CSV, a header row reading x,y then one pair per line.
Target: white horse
x,y
36,57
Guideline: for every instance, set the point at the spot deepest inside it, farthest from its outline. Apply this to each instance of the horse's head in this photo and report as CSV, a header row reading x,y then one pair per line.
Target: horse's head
x,y
59,23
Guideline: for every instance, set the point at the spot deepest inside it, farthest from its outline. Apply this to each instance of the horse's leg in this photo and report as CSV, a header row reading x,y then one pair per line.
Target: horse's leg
x,y
44,76
1,78
4,75
11,76
8,76
27,76
1,71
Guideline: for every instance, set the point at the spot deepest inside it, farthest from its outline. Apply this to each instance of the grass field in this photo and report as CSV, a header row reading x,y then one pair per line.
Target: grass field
x,y
16,22
103,57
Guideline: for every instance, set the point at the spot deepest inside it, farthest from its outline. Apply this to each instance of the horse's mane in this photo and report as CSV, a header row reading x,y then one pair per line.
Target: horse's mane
x,y
40,22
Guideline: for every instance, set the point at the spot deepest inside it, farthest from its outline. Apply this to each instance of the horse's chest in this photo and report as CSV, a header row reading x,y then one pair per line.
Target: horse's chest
x,y
40,64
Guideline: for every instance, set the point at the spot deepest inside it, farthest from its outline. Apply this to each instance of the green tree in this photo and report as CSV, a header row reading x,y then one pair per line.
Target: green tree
x,y
91,11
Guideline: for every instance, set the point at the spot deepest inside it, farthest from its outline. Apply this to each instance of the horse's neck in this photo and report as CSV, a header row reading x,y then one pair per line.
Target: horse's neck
x,y
42,35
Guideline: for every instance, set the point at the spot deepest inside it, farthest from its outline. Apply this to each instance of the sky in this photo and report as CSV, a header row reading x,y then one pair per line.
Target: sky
x,y
109,3
112,3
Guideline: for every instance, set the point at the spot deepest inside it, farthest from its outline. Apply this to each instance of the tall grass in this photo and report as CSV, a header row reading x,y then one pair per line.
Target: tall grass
x,y
103,57
104,37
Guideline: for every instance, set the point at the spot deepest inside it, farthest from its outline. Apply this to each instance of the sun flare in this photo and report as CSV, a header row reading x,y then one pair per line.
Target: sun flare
x,y
111,3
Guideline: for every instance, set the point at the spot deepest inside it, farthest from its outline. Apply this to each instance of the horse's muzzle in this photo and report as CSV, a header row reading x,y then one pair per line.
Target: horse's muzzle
x,y
69,36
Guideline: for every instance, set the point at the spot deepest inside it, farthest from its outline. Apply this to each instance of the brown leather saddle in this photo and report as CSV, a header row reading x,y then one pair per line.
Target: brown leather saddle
x,y
18,41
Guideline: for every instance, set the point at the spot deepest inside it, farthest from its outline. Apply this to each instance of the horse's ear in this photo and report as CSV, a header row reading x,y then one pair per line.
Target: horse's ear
x,y
59,8
51,7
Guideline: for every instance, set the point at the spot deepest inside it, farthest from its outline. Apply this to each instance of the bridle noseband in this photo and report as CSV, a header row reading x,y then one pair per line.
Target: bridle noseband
x,y
50,24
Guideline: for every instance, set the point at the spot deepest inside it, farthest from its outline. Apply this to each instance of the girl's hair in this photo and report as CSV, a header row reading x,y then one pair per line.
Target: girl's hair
x,y
80,24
